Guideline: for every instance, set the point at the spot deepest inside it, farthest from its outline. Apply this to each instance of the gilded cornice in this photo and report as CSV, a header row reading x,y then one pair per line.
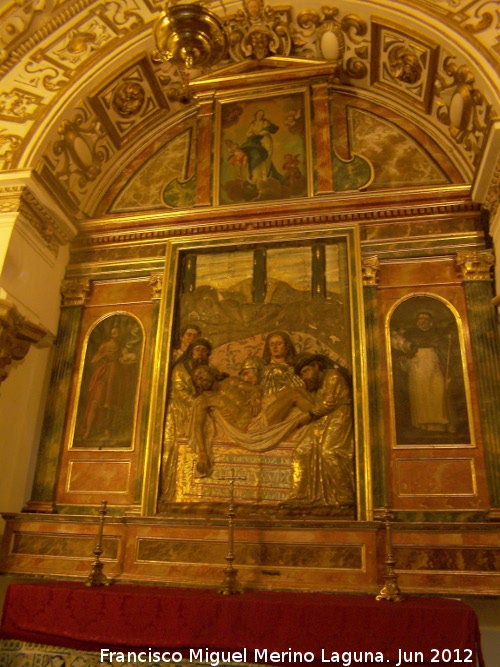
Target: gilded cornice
x,y
359,208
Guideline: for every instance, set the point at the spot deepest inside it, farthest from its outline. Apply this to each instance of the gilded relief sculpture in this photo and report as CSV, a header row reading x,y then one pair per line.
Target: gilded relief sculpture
x,y
273,403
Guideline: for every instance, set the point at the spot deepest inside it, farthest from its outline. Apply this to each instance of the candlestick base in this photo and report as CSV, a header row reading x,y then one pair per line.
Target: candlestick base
x,y
230,584
97,576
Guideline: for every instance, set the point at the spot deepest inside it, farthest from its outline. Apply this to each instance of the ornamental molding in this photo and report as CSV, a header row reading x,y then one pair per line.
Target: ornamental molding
x,y
17,335
95,234
39,218
19,200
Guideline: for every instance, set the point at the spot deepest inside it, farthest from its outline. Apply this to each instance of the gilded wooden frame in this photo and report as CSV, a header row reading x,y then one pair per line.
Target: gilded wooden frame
x,y
341,240
452,365
263,147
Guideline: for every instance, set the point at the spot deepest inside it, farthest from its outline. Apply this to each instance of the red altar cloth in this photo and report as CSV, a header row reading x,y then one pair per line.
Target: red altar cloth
x,y
127,617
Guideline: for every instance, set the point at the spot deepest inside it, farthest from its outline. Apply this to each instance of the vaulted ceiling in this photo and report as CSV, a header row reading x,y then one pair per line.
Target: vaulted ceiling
x,y
83,97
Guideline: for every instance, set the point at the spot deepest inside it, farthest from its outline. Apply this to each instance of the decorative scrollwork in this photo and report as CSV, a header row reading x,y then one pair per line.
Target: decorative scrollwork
x,y
9,145
81,150
462,107
259,32
330,38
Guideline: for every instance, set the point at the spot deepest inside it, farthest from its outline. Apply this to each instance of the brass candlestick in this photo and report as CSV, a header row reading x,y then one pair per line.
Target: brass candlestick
x,y
97,576
230,584
390,590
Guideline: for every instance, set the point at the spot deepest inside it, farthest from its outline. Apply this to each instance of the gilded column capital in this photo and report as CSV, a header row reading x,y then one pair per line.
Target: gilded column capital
x,y
156,285
370,267
75,292
17,334
475,264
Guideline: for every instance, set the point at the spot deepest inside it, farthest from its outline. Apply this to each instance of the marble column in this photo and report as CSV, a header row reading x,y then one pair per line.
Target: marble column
x,y
476,271
74,294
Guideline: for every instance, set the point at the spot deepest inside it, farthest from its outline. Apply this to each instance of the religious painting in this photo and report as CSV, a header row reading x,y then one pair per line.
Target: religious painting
x,y
109,384
263,154
429,382
261,338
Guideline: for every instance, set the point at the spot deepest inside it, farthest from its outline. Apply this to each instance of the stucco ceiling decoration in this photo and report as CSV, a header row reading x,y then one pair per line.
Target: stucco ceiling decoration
x,y
80,87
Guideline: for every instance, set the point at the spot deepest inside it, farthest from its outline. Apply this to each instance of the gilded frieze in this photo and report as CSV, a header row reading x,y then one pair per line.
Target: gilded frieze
x,y
18,105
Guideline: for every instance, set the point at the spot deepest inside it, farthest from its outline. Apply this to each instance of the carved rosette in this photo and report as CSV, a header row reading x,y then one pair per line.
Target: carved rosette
x,y
75,292
370,267
403,63
475,265
17,334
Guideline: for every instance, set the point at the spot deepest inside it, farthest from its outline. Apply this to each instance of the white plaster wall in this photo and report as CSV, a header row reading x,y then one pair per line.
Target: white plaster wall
x,y
31,280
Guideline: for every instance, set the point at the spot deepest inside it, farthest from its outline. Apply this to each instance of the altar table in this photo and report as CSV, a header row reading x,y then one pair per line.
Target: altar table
x,y
319,629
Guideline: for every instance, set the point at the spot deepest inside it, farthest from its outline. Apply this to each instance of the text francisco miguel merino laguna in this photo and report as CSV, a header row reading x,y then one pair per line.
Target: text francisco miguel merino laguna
x,y
216,658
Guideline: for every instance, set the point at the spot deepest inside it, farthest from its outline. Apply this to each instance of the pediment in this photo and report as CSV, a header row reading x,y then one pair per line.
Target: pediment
x,y
249,73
